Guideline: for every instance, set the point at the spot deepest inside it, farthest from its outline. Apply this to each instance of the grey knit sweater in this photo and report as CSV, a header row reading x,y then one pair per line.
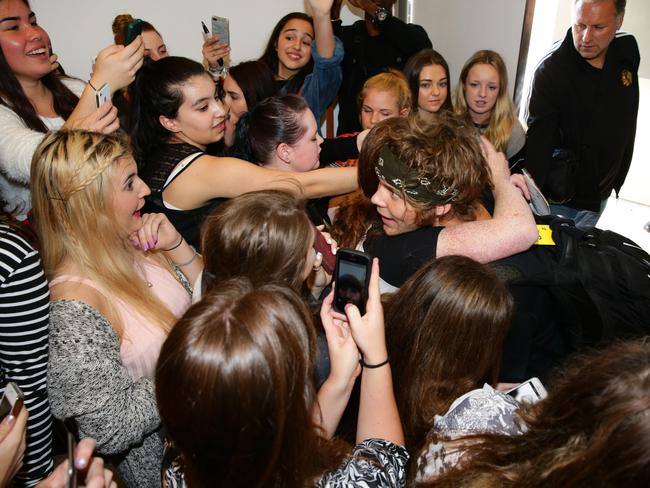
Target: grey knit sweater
x,y
88,382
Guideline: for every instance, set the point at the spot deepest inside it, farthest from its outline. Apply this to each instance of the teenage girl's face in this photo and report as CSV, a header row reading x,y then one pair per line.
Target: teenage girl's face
x,y
397,215
201,117
379,105
234,96
128,194
481,91
154,46
306,152
294,47
24,43
434,88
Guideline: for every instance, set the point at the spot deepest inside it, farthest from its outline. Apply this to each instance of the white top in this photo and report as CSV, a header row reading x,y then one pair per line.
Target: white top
x,y
17,146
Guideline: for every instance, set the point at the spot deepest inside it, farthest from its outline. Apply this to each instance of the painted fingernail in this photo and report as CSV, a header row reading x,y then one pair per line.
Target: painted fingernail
x,y
80,463
145,247
319,255
347,305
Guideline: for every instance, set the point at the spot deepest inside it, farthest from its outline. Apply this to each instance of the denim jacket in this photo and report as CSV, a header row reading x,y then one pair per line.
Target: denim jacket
x,y
322,84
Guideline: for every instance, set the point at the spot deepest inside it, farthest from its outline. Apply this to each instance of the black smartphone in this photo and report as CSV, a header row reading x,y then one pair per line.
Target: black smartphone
x,y
352,275
133,30
71,469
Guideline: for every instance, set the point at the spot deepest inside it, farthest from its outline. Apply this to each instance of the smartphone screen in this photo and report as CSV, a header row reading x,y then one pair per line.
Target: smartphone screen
x,y
221,26
351,276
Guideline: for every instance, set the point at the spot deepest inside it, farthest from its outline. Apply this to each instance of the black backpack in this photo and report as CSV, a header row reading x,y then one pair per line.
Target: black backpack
x,y
599,282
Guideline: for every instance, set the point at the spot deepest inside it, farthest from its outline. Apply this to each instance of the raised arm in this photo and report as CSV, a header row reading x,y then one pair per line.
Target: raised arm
x,y
378,415
323,33
115,65
212,177
511,230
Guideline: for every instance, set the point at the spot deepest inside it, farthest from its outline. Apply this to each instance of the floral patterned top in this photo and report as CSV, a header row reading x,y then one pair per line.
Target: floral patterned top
x,y
374,463
480,411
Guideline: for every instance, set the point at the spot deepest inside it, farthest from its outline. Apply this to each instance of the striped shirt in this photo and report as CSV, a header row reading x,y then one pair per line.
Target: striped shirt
x,y
24,319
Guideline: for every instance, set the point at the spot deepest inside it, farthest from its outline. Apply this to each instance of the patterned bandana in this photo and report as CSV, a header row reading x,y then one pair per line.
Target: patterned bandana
x,y
397,174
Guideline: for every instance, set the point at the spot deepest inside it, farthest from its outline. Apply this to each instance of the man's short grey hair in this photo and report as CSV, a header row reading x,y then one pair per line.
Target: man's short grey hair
x,y
619,5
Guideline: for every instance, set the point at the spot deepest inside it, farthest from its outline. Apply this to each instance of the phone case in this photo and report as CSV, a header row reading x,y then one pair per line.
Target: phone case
x,y
321,246
221,26
103,95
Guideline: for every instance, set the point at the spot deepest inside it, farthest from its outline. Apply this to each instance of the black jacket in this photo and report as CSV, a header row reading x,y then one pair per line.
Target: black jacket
x,y
588,110
366,56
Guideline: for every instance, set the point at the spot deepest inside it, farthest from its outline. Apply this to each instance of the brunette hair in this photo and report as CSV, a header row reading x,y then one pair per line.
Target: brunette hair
x,y
413,68
262,235
274,121
445,331
445,151
73,216
120,27
255,80
13,96
593,429
392,81
235,392
270,55
158,91
503,116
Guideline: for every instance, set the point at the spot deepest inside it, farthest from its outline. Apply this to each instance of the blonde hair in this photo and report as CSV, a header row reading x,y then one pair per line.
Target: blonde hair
x,y
503,117
71,193
391,81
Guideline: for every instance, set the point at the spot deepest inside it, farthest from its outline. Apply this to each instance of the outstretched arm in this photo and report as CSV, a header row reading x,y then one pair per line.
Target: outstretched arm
x,y
511,230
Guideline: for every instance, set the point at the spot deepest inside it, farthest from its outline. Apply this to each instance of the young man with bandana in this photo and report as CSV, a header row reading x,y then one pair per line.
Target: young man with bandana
x,y
426,182
584,101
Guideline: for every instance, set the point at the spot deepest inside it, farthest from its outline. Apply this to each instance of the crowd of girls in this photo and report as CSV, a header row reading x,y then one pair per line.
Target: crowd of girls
x,y
163,293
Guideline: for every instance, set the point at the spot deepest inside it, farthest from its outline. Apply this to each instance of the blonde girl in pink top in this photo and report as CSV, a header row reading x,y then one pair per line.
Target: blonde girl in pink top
x,y
119,281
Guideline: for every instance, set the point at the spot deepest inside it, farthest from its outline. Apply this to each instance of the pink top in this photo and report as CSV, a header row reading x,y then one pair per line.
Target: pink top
x,y
142,339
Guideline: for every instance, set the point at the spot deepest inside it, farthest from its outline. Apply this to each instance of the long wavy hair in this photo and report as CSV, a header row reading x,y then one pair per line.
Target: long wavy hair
x,y
413,68
235,391
262,235
503,115
593,429
71,193
270,55
13,96
445,332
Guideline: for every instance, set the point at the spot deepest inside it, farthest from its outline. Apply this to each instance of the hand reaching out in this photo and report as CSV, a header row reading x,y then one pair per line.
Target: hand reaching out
x,y
321,7
117,64
103,119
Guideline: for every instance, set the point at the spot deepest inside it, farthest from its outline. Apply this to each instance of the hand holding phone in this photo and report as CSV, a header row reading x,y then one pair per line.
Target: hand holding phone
x,y
352,275
12,401
133,30
103,95
368,329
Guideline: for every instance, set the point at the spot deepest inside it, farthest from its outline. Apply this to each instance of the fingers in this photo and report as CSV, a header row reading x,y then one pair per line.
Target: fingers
x,y
83,453
374,295
148,233
54,64
520,182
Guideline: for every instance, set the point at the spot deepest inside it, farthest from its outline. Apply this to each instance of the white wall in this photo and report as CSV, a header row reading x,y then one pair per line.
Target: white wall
x,y
458,28
81,28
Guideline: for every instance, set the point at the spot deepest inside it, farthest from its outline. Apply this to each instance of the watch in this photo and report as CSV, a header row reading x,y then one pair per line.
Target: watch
x,y
381,14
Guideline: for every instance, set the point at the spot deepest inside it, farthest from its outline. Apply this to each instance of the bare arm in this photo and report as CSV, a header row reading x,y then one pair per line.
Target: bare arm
x,y
212,177
378,414
324,35
511,230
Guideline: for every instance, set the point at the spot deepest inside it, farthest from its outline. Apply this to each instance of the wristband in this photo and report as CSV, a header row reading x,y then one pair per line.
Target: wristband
x,y
92,86
372,366
174,247
189,261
